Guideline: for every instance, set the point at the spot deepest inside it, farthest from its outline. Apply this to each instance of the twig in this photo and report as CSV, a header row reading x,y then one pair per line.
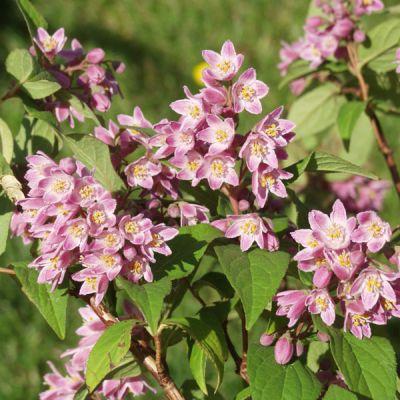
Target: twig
x,y
231,347
10,93
245,345
7,271
383,145
232,198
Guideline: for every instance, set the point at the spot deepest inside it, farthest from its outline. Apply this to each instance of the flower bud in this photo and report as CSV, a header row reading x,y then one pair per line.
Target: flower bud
x,y
299,349
95,56
283,350
359,36
243,205
323,337
12,187
101,102
266,340
173,210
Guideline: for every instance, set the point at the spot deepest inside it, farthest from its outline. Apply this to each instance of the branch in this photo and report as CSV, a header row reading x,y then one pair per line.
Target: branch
x,y
383,145
245,346
232,198
10,93
7,271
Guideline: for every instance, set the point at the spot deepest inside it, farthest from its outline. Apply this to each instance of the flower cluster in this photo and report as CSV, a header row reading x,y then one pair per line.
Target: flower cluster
x,y
66,387
203,145
347,280
85,76
78,221
327,34
361,194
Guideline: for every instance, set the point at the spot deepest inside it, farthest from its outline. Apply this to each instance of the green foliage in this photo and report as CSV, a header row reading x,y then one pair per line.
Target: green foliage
x,y
6,141
349,114
32,16
198,363
316,110
51,304
95,155
297,70
271,381
335,392
108,352
19,64
255,276
6,210
41,86
368,365
149,298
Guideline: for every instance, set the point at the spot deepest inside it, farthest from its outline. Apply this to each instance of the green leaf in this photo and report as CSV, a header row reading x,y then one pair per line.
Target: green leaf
x,y
335,392
244,394
32,16
52,305
381,38
108,352
271,381
385,62
368,365
187,250
324,162
315,351
297,69
95,155
255,275
127,368
349,114
316,110
6,141
208,340
198,363
148,297
82,108
82,393
19,64
41,88
6,211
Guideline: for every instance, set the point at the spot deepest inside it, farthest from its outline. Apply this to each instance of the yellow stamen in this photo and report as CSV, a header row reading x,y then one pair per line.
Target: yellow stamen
x,y
257,149
221,135
218,168
224,66
108,260
249,228
247,93
267,180
86,192
140,171
98,217
322,303
193,165
334,232
60,186
131,227
376,230
272,130
373,284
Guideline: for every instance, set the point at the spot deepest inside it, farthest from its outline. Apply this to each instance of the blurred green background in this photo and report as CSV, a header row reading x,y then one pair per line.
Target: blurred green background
x,y
160,41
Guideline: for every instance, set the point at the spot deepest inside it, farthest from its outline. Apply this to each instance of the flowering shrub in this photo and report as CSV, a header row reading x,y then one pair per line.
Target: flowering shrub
x,y
202,233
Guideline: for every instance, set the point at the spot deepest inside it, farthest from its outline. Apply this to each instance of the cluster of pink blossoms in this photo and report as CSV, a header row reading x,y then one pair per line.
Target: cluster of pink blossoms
x,y
360,194
203,145
347,280
326,35
77,221
66,387
88,76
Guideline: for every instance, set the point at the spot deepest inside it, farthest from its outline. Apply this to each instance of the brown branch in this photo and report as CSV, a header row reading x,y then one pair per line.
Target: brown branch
x,y
232,198
7,271
383,145
10,93
245,346
231,347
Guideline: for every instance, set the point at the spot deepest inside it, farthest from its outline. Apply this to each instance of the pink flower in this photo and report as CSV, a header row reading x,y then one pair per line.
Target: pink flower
x,y
136,229
266,179
160,234
191,109
137,120
367,6
250,228
75,232
92,282
258,148
372,230
101,216
218,169
107,136
108,264
50,45
266,340
357,320
120,389
372,284
319,302
136,268
334,231
219,134
346,262
57,187
291,303
109,241
182,139
189,214
307,239
64,111
224,66
189,164
87,191
283,350
247,92
141,172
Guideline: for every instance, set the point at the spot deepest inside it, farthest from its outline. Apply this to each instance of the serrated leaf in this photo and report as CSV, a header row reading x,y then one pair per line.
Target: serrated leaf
x,y
108,352
208,340
148,297
385,62
198,363
272,381
349,114
187,249
255,275
6,141
52,305
381,38
335,392
368,365
41,88
298,69
316,110
19,64
324,162
95,155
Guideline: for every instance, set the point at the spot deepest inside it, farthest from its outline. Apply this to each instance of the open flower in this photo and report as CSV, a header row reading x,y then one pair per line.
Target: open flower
x,y
291,303
191,109
372,230
141,172
50,45
357,320
135,229
224,66
319,302
247,92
